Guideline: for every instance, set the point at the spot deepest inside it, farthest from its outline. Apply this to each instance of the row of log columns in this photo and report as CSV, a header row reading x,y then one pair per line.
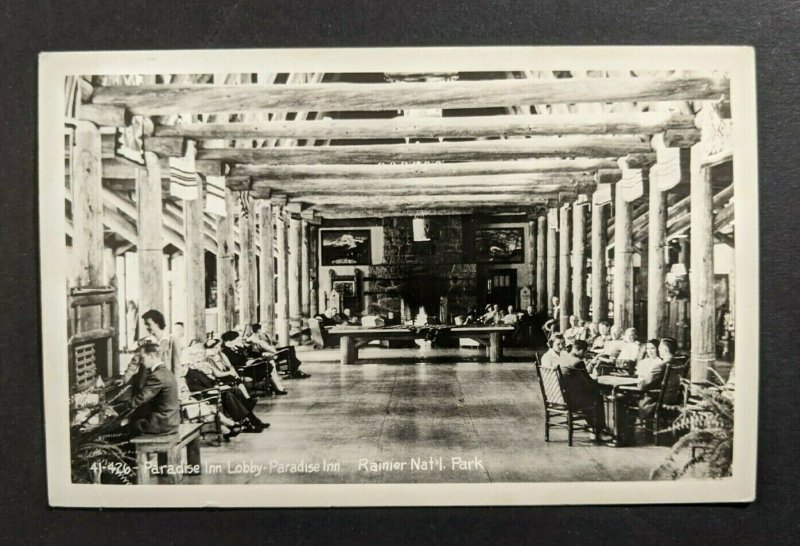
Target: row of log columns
x,y
541,278
282,316
623,262
579,307
295,262
267,278
226,267
564,267
150,226
552,257
599,267
247,263
703,319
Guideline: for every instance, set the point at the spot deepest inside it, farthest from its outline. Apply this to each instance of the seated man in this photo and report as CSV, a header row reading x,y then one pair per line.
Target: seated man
x,y
156,404
337,317
581,391
573,331
511,318
552,357
326,318
262,346
351,319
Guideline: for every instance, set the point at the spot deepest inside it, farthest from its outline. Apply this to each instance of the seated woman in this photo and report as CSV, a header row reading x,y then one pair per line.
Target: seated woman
x,y
552,357
194,409
261,346
603,336
352,320
575,331
650,359
649,386
236,356
238,407
630,352
607,359
591,333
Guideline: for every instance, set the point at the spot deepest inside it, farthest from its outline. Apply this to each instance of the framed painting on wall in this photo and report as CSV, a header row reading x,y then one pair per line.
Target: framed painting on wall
x,y
500,245
346,247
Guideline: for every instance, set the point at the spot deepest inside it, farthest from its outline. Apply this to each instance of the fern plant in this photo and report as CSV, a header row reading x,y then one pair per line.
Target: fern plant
x,y
99,448
706,422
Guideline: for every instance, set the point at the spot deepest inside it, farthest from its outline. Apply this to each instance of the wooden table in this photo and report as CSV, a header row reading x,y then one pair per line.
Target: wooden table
x,y
612,383
355,337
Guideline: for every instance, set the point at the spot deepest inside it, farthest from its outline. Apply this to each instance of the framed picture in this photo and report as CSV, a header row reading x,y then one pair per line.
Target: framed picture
x,y
345,288
500,245
346,247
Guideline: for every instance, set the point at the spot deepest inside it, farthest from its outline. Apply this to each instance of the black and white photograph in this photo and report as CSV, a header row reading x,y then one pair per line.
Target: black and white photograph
x,y
369,277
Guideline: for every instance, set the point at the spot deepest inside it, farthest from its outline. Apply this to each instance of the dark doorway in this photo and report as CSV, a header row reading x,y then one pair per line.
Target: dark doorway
x,y
500,287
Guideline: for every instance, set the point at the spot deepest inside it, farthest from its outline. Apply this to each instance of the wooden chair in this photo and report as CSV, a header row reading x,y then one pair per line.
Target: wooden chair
x,y
675,371
192,412
555,404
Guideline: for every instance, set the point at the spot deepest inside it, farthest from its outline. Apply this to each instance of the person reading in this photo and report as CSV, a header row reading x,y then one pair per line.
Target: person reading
x,y
156,404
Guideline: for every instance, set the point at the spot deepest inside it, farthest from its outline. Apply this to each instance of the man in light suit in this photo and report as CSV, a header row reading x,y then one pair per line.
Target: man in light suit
x,y
156,405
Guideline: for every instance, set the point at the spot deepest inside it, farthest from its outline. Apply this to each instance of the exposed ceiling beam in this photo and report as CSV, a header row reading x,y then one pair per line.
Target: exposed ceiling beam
x,y
455,184
569,146
421,170
211,99
442,127
435,201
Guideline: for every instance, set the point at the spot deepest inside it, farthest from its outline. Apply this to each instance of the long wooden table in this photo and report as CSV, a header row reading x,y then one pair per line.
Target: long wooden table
x,y
355,337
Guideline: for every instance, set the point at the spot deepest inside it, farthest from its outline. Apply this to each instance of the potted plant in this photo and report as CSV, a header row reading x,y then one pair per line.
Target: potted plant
x,y
706,422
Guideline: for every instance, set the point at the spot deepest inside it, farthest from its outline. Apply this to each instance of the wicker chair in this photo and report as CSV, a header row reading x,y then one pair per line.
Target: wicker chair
x,y
557,412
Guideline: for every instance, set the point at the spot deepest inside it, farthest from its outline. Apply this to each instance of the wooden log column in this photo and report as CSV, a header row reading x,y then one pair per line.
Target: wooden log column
x,y
541,260
623,262
564,267
656,264
282,320
247,263
530,237
149,223
267,279
294,236
552,257
579,261
701,280
599,265
87,207
313,237
226,267
304,272
195,267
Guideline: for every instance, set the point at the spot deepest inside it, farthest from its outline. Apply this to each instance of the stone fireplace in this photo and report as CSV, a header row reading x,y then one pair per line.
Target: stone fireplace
x,y
417,274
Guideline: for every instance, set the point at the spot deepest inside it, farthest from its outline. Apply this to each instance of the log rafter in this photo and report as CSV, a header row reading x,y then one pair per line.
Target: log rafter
x,y
208,99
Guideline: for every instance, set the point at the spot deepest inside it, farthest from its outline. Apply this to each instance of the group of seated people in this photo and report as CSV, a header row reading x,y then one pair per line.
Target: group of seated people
x,y
164,375
371,317
582,360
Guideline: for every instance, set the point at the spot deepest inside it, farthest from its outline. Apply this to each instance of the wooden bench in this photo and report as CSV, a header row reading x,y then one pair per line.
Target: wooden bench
x,y
168,448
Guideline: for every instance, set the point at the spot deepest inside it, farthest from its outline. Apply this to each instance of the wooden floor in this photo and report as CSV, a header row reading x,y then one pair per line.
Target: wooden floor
x,y
406,406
